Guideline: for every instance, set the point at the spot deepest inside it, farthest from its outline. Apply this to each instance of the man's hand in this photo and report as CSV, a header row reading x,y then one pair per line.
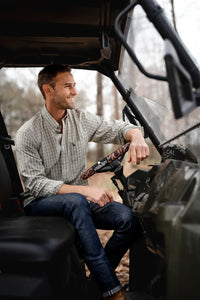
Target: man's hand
x,y
138,149
100,196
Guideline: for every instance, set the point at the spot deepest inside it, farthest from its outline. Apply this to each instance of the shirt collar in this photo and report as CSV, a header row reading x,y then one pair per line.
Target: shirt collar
x,y
51,121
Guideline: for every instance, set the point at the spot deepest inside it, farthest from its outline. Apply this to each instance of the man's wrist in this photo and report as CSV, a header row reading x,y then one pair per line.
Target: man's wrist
x,y
134,133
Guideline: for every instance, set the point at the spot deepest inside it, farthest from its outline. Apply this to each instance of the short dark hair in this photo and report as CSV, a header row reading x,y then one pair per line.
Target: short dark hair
x,y
48,73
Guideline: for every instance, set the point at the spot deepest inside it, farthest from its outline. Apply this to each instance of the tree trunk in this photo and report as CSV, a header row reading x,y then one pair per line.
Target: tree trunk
x,y
100,147
173,14
116,103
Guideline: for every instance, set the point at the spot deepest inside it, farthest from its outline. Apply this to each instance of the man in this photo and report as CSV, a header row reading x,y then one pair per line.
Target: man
x,y
51,153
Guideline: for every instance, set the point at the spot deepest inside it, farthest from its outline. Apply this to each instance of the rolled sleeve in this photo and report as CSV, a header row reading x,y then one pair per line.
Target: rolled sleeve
x,y
104,132
126,129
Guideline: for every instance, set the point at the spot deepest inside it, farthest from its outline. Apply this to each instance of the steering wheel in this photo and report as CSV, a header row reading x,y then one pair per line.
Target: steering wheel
x,y
101,166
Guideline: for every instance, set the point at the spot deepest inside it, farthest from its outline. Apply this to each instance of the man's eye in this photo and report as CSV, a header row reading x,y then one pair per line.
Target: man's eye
x,y
70,86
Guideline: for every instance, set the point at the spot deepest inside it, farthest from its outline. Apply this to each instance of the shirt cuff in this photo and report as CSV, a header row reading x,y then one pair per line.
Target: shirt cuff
x,y
132,127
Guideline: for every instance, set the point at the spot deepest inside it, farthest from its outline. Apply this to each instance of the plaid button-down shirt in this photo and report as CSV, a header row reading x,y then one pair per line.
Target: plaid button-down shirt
x,y
47,158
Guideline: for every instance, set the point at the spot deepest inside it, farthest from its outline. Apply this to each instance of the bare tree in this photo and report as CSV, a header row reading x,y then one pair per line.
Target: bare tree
x,y
116,104
16,103
173,14
100,147
99,95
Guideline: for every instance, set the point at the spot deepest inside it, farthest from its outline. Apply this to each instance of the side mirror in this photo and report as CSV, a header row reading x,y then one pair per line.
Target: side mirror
x,y
180,83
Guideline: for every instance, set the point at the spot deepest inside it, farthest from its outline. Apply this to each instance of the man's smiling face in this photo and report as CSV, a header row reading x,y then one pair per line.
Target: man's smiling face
x,y
64,91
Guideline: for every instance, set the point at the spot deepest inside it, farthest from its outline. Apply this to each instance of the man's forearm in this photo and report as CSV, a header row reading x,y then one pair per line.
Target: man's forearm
x,y
138,149
100,196
133,134
66,189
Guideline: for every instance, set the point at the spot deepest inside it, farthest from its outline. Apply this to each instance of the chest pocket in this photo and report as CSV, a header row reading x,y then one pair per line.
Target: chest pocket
x,y
77,150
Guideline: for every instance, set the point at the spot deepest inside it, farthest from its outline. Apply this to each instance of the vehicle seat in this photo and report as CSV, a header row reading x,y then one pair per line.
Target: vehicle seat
x,y
31,239
34,247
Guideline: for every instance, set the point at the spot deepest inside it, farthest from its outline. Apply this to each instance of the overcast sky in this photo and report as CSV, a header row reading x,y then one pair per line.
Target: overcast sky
x,y
188,24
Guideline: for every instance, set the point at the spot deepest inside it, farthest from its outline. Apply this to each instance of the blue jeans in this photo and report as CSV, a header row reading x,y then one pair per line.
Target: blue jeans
x,y
86,217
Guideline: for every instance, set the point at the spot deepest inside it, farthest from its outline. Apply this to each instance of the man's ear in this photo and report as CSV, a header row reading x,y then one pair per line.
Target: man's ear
x,y
47,89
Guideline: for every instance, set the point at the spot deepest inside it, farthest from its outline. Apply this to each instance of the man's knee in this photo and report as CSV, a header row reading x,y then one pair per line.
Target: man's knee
x,y
126,218
76,208
74,201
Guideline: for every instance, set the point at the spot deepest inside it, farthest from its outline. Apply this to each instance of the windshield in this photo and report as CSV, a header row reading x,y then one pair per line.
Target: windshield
x,y
154,99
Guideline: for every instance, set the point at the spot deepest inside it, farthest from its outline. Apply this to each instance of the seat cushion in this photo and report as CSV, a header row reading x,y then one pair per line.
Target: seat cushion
x,y
34,239
17,287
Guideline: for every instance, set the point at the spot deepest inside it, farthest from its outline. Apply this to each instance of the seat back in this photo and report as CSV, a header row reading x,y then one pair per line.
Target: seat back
x,y
5,182
6,149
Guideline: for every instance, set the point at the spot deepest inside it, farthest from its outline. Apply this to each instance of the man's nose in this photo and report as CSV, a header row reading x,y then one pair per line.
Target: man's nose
x,y
73,90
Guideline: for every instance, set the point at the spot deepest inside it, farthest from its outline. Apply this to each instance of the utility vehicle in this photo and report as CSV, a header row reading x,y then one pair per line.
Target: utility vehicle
x,y
38,259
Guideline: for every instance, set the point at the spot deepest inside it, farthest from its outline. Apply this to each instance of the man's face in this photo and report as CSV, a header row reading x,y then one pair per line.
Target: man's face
x,y
64,91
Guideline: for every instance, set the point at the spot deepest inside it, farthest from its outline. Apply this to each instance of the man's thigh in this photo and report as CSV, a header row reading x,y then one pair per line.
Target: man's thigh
x,y
55,204
110,216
